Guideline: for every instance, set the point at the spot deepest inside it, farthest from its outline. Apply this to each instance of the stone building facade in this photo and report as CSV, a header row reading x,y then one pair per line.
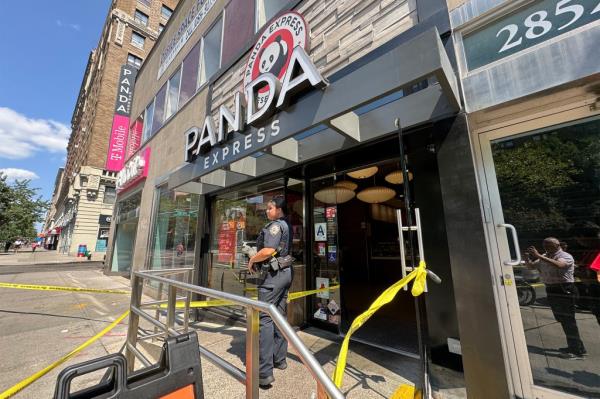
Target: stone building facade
x,y
85,199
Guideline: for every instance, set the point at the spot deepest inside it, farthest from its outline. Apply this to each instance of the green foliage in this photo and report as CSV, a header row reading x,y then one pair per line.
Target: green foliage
x,y
20,209
550,182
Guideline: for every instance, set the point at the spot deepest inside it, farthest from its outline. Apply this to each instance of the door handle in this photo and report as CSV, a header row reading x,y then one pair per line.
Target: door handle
x,y
513,233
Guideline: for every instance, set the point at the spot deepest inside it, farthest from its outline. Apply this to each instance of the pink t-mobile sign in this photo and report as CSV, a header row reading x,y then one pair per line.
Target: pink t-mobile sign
x,y
117,143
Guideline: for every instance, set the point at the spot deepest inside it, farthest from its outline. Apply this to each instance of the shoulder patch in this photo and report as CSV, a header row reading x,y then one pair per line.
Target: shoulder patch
x,y
274,229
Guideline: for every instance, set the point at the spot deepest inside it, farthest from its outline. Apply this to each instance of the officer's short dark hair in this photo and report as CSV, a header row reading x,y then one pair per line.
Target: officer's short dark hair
x,y
279,202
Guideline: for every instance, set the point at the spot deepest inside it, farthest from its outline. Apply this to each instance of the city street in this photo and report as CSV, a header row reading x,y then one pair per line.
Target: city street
x,y
37,328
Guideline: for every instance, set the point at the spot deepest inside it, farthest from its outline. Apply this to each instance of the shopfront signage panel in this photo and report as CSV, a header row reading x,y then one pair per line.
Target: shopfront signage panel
x,y
272,53
120,127
187,27
278,69
527,27
135,170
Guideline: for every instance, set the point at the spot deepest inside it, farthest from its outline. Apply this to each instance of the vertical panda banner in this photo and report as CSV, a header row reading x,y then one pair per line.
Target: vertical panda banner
x,y
120,127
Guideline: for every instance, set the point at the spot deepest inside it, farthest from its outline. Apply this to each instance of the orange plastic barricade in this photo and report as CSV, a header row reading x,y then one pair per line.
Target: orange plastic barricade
x,y
177,375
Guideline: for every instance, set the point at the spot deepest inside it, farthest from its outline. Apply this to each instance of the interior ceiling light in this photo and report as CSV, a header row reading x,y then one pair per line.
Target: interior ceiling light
x,y
363,173
396,177
347,184
383,213
334,195
375,195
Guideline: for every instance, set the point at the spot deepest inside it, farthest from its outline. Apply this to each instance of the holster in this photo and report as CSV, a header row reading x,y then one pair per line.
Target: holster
x,y
281,262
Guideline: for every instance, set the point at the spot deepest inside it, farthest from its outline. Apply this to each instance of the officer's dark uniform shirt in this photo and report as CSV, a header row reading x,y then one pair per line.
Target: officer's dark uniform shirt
x,y
275,234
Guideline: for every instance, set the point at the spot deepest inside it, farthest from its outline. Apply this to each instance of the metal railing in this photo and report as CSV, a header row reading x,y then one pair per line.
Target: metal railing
x,y
249,377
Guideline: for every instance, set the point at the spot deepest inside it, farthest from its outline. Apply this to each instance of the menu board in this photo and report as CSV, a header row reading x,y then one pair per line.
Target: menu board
x,y
226,243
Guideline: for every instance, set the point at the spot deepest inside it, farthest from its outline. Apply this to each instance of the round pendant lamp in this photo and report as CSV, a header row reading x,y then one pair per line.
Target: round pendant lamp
x,y
347,184
334,195
375,195
363,173
396,177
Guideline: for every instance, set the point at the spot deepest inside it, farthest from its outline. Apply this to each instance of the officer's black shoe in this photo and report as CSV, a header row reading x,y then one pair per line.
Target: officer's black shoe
x,y
280,366
266,381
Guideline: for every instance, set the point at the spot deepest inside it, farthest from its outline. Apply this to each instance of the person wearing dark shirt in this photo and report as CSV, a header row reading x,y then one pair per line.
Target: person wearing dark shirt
x,y
273,257
557,272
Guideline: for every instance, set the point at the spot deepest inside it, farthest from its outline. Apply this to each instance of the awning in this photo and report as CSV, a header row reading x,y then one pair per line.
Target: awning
x,y
410,79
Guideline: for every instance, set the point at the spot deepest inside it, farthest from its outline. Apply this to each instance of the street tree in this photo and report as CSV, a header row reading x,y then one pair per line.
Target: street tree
x,y
20,208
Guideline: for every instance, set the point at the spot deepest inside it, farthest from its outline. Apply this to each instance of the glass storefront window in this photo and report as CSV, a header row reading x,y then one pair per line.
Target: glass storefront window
x,y
237,219
174,235
549,186
127,213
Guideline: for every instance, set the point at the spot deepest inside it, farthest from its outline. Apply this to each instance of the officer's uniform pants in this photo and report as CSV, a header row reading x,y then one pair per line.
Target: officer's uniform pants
x,y
273,346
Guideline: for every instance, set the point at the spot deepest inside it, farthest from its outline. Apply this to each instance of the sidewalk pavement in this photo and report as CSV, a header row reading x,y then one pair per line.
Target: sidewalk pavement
x,y
42,256
38,328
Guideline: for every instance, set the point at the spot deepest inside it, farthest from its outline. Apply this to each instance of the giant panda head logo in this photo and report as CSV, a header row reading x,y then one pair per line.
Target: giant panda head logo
x,y
273,57
273,50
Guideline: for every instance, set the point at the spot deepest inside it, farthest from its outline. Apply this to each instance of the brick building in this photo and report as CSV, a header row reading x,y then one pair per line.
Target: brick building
x,y
84,201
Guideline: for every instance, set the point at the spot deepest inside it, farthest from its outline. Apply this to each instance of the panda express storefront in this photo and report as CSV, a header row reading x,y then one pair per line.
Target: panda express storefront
x,y
331,147
328,141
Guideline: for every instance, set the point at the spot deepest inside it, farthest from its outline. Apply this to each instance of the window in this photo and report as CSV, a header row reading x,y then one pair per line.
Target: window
x,y
166,12
267,9
148,117
161,27
134,60
211,52
146,3
159,109
110,195
83,180
137,40
173,95
174,231
239,28
237,219
141,17
189,78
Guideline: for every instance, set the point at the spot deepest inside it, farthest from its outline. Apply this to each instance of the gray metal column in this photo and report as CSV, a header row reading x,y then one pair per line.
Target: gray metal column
x,y
480,335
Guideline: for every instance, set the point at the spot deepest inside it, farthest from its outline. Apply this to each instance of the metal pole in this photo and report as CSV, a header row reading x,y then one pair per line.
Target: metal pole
x,y
171,306
134,321
422,331
252,366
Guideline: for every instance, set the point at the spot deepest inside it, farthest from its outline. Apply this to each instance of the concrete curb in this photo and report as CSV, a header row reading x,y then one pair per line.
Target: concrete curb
x,y
90,263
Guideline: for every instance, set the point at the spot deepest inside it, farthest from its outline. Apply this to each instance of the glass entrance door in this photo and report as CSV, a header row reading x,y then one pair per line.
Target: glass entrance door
x,y
543,218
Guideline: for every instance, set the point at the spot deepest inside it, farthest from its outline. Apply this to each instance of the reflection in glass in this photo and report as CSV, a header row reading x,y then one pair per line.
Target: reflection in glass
x,y
174,236
237,219
549,185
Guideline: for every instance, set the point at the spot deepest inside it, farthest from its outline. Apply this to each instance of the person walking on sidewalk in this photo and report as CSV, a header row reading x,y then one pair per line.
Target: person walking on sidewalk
x,y
274,261
557,272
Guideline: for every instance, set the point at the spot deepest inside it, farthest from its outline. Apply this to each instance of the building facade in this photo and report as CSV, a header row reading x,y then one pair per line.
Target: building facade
x,y
366,117
530,79
86,197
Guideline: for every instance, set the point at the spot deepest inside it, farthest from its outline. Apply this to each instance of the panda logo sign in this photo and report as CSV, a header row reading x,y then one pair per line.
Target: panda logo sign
x,y
273,50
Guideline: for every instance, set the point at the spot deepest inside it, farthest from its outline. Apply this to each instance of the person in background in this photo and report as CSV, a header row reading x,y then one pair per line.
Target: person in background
x,y
557,272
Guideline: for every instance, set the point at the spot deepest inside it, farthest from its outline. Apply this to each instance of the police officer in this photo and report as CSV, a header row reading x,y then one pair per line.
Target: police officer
x,y
273,245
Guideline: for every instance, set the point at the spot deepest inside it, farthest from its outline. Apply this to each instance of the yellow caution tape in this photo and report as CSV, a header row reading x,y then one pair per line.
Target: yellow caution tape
x,y
301,294
222,302
16,388
59,288
419,274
